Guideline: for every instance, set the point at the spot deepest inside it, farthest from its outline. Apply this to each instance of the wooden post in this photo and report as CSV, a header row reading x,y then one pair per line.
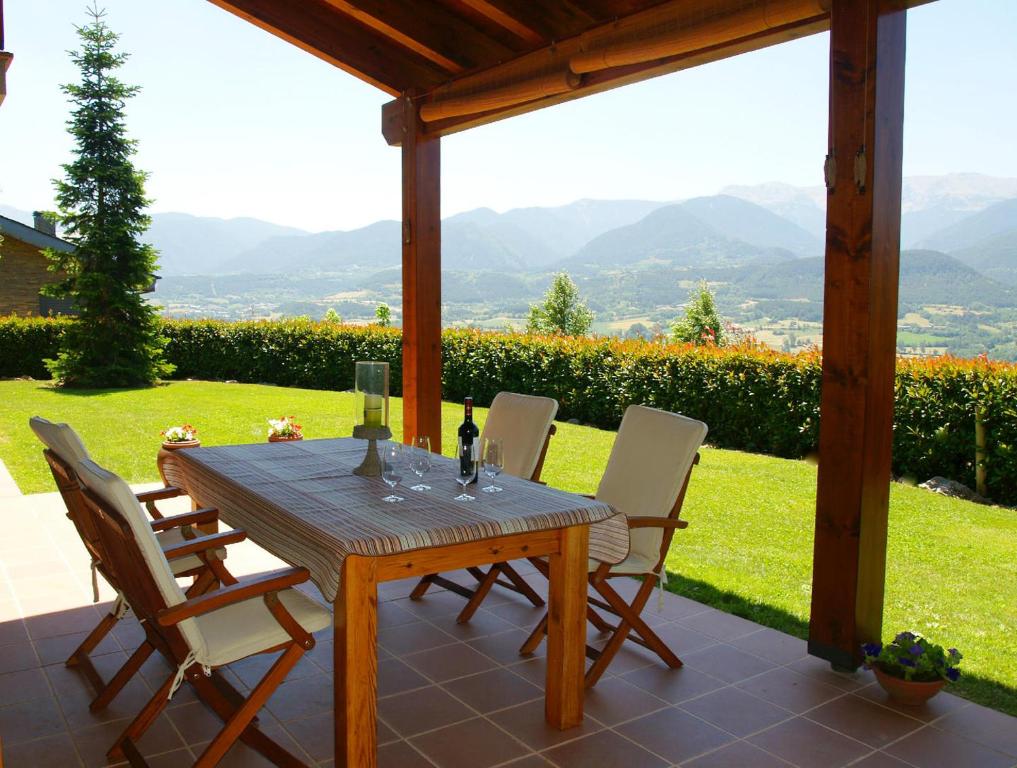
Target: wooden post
x,y
421,279
980,487
867,40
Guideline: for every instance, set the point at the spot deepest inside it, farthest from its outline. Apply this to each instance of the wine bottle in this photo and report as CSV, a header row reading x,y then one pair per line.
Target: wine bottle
x,y
468,433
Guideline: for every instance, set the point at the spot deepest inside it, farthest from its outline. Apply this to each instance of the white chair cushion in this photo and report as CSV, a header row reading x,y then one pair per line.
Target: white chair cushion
x,y
60,439
649,460
242,629
115,492
521,422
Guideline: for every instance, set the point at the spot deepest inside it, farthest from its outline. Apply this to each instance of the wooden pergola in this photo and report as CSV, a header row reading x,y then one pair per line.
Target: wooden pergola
x,y
451,65
455,64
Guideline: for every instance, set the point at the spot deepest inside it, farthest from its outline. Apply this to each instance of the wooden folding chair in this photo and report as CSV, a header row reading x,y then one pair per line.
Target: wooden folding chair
x,y
200,634
647,476
64,449
524,424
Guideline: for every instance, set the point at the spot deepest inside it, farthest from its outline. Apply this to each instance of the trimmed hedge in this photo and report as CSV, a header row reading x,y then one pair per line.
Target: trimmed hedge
x,y
754,399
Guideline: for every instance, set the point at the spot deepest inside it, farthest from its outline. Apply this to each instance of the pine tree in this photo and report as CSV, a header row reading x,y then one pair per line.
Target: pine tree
x,y
115,340
701,324
562,310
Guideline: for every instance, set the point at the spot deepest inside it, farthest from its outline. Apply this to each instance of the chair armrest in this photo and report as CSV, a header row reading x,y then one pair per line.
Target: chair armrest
x,y
657,522
588,496
197,517
169,492
236,593
204,543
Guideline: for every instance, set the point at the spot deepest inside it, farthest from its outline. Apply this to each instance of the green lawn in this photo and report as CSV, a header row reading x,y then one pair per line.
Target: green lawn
x,y
951,567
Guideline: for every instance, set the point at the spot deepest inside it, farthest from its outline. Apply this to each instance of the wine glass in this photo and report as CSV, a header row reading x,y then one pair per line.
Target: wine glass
x,y
465,472
420,461
391,468
492,456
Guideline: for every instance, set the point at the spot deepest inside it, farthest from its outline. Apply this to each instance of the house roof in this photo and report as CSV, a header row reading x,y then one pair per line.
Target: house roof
x,y
32,236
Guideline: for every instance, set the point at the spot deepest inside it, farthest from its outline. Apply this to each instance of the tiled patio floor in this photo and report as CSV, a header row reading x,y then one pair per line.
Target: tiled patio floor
x,y
455,695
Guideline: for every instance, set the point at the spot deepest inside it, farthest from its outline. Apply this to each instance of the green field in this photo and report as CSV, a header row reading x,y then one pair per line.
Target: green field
x,y
748,549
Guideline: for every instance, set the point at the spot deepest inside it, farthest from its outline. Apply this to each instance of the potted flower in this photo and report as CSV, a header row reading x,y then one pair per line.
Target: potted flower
x,y
284,430
185,436
910,668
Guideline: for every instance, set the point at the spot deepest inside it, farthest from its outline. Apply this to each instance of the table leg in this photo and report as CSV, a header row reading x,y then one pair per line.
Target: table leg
x,y
566,629
356,664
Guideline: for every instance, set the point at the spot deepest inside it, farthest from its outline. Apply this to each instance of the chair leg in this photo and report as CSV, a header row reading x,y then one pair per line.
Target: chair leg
x,y
629,614
143,721
122,677
94,638
522,585
535,638
479,594
241,718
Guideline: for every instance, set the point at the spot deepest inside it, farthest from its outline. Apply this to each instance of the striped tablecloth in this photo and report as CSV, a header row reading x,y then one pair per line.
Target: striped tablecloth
x,y
302,502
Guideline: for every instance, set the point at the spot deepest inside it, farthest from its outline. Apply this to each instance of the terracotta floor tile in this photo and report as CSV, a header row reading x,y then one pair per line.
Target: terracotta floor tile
x,y
62,622
534,670
495,689
252,669
719,625
726,663
614,701
24,685
55,650
526,722
29,720
449,662
422,710
790,690
15,657
437,606
682,640
879,760
316,735
301,698
92,743
739,754
473,744
862,720
773,646
322,655
504,647
196,723
242,756
735,711
673,685
675,735
396,677
174,759
410,638
986,726
933,748
401,755
483,624
56,750
523,615
679,606
12,630
937,707
393,613
530,761
605,749
809,745
820,669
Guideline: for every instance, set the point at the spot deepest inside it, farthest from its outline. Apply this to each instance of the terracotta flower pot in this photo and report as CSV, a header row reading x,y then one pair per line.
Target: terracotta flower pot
x,y
908,692
168,446
284,438
163,458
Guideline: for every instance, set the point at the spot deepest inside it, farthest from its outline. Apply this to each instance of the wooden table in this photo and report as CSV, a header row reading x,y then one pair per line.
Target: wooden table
x,y
301,502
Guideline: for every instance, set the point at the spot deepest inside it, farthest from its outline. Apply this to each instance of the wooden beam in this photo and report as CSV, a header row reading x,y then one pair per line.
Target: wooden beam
x,y
421,280
429,30
6,57
497,98
859,327
317,28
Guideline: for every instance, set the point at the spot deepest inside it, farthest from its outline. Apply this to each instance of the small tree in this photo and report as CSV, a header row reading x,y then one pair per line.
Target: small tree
x,y
562,311
383,315
115,341
701,324
333,317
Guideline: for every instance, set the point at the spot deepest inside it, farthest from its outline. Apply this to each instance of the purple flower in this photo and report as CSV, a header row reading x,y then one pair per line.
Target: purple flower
x,y
904,637
952,675
872,649
954,653
906,662
916,650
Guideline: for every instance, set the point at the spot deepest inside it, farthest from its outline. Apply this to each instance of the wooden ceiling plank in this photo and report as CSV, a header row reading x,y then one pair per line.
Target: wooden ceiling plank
x,y
315,27
429,30
535,23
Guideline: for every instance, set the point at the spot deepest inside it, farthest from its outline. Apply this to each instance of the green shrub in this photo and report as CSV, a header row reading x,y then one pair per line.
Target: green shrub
x,y
754,399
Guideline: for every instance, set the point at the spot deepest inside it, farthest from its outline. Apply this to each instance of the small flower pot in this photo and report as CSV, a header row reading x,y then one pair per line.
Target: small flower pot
x,y
176,446
907,692
284,438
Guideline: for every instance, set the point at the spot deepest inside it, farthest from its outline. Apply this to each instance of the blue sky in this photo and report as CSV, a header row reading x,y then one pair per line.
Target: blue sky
x,y
234,122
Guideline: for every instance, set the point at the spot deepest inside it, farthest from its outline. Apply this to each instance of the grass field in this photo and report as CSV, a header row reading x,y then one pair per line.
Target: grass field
x,y
951,571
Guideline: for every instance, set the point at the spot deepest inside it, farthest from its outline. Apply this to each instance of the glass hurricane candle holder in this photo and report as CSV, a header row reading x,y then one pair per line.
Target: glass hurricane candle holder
x,y
370,412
